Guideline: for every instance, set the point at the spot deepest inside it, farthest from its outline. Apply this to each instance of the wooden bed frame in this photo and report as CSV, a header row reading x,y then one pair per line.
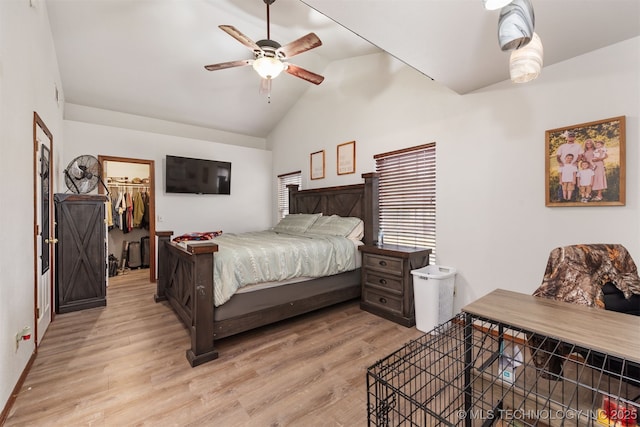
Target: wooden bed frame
x,y
185,276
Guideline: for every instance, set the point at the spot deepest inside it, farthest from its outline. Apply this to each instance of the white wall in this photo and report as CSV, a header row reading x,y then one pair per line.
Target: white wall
x,y
248,207
28,77
492,223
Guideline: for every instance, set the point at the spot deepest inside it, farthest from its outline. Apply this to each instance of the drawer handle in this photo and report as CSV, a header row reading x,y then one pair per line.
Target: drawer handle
x,y
383,300
382,263
382,281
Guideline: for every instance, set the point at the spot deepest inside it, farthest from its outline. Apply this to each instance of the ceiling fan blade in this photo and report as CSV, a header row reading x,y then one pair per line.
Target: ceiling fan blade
x,y
230,64
300,45
233,32
307,75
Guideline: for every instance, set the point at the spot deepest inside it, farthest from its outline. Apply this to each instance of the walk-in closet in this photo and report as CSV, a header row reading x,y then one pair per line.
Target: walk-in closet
x,y
130,214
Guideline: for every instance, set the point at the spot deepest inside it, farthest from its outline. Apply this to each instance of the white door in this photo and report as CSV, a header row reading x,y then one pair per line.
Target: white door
x,y
45,236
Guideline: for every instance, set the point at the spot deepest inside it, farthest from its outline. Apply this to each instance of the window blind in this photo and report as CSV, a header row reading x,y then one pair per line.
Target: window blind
x,y
283,193
407,181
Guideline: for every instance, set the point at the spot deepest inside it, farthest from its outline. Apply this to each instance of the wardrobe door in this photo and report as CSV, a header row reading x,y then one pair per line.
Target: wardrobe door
x,y
81,261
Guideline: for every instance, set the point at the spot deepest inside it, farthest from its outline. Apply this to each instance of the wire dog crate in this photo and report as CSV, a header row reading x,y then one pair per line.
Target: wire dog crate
x,y
476,371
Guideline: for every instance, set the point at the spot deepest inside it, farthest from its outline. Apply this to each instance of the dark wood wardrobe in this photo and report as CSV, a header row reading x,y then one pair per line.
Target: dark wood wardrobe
x,y
81,260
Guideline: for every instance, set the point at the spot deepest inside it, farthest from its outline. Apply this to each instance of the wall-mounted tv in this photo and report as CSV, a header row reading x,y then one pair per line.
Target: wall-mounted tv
x,y
197,176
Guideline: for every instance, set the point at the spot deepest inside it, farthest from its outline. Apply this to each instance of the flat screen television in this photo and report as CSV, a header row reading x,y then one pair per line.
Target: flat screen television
x,y
197,176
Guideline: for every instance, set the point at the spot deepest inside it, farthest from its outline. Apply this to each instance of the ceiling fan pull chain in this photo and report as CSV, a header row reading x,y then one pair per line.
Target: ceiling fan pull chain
x,y
265,89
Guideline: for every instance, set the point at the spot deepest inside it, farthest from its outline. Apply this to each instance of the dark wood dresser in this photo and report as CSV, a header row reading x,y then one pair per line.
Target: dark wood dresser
x,y
81,261
387,284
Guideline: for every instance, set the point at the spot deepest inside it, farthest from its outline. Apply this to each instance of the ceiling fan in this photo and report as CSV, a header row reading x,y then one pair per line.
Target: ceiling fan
x,y
269,56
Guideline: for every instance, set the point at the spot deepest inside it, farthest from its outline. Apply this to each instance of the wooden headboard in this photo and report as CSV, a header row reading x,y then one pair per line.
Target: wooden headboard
x,y
359,200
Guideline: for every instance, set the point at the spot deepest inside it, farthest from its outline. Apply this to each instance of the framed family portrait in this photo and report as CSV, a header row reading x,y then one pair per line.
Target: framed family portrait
x,y
585,164
346,158
317,165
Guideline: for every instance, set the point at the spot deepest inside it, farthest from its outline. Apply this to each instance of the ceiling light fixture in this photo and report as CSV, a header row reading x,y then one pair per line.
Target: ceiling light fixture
x,y
525,63
268,67
495,4
269,56
516,25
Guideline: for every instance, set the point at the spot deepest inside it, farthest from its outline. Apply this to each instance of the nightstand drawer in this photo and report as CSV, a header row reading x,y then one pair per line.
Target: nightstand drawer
x,y
382,300
383,263
391,283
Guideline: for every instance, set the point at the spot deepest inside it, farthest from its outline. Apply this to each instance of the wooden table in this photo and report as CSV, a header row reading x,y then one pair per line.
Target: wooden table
x,y
606,331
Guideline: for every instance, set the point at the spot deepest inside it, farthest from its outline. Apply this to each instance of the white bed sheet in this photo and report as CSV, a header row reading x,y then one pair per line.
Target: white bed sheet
x,y
266,285
229,282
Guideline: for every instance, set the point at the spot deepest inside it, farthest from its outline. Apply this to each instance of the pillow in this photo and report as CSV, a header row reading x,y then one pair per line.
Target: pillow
x,y
335,225
321,222
296,223
358,232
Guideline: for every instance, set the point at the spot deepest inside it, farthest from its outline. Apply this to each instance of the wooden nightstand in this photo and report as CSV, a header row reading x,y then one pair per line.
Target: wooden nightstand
x,y
387,284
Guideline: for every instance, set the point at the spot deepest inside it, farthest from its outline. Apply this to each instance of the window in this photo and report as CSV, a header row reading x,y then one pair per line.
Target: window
x,y
408,196
283,194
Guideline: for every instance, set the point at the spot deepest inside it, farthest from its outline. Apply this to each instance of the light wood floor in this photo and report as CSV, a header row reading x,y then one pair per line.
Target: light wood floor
x,y
125,364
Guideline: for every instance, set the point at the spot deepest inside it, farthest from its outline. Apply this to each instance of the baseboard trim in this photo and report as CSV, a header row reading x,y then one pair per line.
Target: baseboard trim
x,y
14,394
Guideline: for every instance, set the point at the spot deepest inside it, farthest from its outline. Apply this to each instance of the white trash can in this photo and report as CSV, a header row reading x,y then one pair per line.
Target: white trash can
x,y
433,295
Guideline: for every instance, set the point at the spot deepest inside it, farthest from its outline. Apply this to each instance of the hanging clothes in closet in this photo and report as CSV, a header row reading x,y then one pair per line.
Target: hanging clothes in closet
x,y
114,195
129,208
109,212
129,212
138,209
145,214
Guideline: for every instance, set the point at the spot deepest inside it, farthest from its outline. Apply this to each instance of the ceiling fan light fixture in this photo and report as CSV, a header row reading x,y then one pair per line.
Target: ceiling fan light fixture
x,y
268,55
525,63
268,67
495,4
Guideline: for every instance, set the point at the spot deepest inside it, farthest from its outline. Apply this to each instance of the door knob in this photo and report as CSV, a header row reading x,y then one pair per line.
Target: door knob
x,y
53,240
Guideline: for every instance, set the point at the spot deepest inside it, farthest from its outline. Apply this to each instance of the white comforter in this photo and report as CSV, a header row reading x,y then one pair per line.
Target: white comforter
x,y
267,256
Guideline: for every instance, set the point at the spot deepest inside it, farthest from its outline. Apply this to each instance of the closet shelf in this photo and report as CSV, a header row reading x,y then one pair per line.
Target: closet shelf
x,y
126,185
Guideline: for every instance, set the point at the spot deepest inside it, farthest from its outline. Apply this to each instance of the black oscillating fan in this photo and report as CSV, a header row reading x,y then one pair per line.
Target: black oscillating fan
x,y
83,174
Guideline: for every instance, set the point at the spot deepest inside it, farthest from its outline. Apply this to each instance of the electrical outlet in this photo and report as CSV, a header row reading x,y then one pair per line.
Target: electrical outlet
x,y
23,334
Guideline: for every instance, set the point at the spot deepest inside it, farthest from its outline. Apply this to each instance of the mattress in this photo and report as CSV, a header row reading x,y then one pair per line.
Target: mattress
x,y
270,258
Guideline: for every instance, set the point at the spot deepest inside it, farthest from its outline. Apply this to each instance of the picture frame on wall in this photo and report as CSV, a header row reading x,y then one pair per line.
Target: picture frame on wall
x,y
346,156
317,165
585,164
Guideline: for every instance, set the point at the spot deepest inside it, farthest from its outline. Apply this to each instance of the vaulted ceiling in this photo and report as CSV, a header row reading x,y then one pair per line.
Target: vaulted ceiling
x,y
147,57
